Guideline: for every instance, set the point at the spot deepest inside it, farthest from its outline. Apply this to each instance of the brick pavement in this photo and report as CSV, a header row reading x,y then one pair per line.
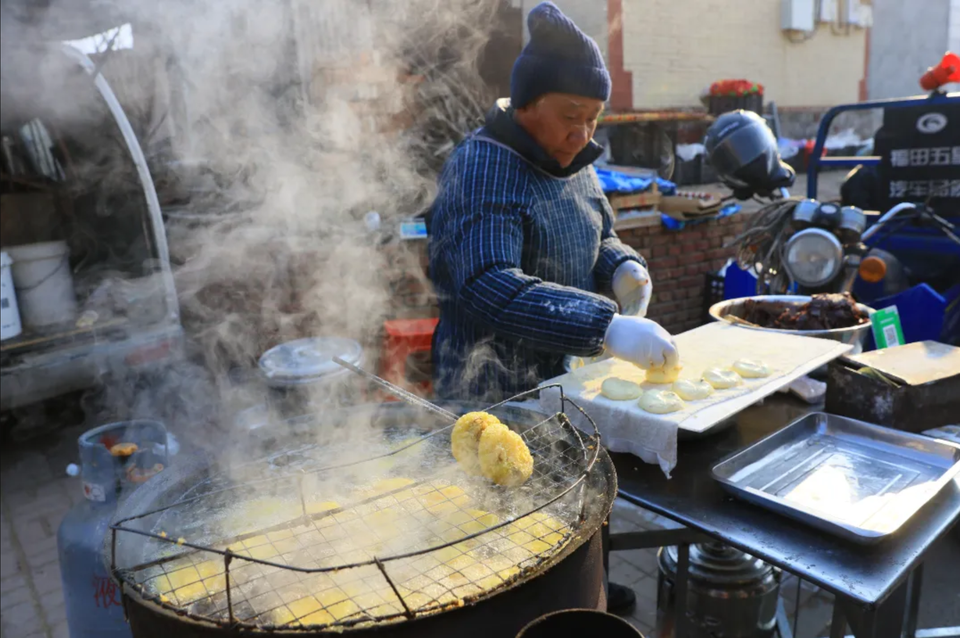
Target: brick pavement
x,y
638,569
35,494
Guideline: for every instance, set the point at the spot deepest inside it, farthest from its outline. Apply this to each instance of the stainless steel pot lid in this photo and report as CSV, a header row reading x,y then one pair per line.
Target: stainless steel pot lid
x,y
308,359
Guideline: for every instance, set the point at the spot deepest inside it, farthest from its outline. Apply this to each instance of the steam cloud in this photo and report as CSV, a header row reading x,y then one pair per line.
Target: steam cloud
x,y
296,119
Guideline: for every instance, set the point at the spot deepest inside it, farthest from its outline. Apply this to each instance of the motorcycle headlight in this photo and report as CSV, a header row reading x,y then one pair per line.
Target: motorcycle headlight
x,y
813,257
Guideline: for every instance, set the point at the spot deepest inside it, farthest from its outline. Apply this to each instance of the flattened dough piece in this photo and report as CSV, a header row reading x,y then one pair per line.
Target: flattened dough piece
x,y
660,402
751,369
663,375
690,390
721,379
620,389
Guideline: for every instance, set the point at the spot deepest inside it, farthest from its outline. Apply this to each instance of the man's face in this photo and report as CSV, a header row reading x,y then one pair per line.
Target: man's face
x,y
561,124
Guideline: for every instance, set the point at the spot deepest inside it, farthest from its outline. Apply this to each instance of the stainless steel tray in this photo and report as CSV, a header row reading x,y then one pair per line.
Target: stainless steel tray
x,y
853,479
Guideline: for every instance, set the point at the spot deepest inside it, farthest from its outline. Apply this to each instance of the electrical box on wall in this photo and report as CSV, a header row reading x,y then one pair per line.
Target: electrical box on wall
x,y
828,11
796,15
853,12
859,14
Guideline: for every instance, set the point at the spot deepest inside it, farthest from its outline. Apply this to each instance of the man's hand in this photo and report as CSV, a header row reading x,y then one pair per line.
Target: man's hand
x,y
632,287
641,342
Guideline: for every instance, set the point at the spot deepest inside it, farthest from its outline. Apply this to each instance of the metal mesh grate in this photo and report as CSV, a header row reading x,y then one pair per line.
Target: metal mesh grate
x,y
397,548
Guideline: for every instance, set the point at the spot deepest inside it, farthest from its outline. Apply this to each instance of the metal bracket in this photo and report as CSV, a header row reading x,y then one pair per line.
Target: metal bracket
x,y
656,538
783,621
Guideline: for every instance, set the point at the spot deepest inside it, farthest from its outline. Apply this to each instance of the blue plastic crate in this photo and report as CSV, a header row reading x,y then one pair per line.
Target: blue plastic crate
x,y
922,310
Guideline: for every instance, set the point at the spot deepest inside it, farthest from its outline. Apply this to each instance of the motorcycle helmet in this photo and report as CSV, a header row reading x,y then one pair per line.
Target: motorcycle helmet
x,y
742,150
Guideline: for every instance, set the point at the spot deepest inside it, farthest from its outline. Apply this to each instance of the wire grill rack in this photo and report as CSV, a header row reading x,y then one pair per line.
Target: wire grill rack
x,y
396,549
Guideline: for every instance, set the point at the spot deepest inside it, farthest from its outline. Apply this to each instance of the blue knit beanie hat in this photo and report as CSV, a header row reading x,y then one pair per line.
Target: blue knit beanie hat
x,y
559,58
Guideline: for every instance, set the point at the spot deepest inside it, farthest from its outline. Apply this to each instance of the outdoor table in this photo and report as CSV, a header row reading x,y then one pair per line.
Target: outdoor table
x,y
871,583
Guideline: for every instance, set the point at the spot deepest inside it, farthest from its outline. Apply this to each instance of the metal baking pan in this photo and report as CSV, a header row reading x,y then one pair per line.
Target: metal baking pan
x,y
852,479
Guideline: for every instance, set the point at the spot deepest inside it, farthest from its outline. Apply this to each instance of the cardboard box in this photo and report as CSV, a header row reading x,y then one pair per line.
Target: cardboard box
x,y
646,199
685,206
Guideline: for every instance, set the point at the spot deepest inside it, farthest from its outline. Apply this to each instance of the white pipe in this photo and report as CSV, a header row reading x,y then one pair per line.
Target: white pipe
x,y
146,180
887,216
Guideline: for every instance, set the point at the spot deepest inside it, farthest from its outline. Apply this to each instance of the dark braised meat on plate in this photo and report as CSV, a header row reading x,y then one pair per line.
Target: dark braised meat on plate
x,y
823,312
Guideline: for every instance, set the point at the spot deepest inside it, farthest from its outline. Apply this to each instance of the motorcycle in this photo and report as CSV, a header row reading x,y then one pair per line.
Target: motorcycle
x,y
804,246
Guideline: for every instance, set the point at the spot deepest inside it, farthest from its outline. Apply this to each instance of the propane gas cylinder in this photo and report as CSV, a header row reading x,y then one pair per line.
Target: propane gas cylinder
x,y
115,459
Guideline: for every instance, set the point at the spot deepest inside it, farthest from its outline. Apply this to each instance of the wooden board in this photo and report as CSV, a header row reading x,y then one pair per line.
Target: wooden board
x,y
713,345
684,206
636,200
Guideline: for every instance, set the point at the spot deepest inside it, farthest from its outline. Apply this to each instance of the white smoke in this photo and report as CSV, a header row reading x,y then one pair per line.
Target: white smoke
x,y
289,121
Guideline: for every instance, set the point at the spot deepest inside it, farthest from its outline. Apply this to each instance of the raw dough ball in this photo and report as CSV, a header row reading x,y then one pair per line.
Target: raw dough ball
x,y
663,375
689,390
660,402
504,457
620,389
751,369
721,379
465,439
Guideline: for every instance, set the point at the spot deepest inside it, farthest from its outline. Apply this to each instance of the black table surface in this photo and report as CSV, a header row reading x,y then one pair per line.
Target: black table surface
x,y
864,573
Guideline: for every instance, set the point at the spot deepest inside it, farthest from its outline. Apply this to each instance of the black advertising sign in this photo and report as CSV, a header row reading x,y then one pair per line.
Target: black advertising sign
x,y
920,156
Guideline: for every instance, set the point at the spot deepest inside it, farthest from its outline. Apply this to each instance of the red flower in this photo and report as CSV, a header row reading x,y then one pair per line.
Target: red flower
x,y
735,88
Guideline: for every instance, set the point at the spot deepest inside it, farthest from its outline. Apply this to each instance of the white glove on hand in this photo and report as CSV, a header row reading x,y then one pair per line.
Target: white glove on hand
x,y
632,287
641,342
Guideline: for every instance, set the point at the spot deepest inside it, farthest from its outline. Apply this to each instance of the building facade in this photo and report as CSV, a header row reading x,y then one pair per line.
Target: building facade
x,y
664,53
908,37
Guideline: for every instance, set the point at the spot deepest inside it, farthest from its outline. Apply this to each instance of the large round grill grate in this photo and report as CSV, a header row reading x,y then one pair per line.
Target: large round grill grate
x,y
310,545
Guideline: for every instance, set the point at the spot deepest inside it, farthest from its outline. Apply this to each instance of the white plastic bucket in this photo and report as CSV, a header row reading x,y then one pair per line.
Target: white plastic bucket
x,y
44,283
10,325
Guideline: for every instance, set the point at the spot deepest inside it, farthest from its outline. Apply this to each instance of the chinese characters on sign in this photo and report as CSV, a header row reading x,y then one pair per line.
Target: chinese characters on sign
x,y
939,156
918,157
919,147
902,189
105,592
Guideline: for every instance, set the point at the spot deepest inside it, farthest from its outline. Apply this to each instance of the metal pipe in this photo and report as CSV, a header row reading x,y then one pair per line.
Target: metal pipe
x,y
683,574
775,116
838,622
656,538
913,604
154,215
409,397
796,607
783,621
850,162
887,216
849,276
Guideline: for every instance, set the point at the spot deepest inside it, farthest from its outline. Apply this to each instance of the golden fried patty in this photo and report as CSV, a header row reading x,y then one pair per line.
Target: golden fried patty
x,y
465,439
504,457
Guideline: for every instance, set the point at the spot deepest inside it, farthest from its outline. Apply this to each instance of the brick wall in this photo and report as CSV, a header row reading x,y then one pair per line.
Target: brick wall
x,y
678,262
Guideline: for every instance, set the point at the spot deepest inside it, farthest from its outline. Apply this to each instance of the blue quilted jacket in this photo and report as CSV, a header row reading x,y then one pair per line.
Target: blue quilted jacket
x,y
519,249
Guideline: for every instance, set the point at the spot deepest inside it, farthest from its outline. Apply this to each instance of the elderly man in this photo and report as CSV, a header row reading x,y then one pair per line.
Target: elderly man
x,y
522,236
